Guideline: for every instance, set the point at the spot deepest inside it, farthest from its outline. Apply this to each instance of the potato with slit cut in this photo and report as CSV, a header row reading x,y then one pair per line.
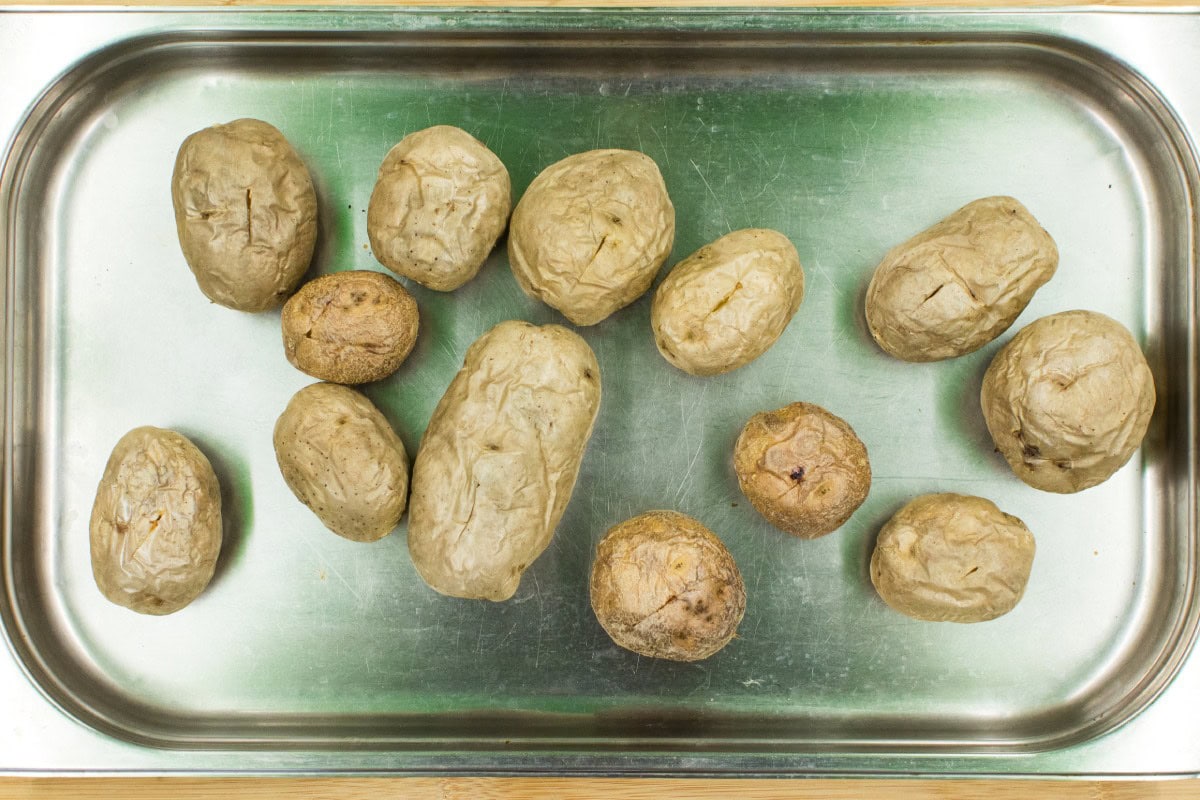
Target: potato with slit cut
x,y
499,459
952,558
958,285
665,586
155,528
1068,400
439,204
726,304
342,459
350,327
590,233
245,212
802,468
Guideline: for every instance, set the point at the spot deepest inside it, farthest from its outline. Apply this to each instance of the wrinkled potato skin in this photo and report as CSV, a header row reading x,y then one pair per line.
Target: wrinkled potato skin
x,y
958,285
802,468
726,304
350,327
665,586
499,459
440,203
342,459
156,522
590,233
1068,400
952,558
245,212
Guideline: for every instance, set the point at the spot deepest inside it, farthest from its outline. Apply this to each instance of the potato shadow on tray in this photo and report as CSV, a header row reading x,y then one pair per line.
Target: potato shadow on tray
x,y
857,319
328,249
237,501
958,409
860,534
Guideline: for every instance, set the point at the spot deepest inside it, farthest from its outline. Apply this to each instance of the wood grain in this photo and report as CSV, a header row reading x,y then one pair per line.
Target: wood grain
x,y
607,3
15,788
573,789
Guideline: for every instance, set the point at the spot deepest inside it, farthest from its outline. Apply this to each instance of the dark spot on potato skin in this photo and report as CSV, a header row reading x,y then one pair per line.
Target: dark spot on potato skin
x,y
797,474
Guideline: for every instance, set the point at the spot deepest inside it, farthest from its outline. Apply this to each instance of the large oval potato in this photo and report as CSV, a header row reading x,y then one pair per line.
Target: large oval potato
x,y
726,304
245,212
1068,400
499,459
958,285
440,203
591,232
665,586
952,558
156,522
350,327
342,459
802,468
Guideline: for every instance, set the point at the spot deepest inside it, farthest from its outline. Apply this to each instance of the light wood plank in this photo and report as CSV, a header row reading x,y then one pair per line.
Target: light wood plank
x,y
576,789
603,3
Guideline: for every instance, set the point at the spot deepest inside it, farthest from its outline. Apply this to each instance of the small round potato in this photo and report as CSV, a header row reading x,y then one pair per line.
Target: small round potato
x,y
802,468
952,558
664,586
245,212
350,327
1068,400
726,304
591,232
958,285
156,523
440,203
341,458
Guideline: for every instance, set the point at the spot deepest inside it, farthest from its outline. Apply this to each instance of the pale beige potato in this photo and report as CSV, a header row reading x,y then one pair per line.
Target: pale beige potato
x,y
1068,400
663,585
590,233
726,304
802,468
439,204
958,285
342,459
350,327
155,528
952,558
245,212
499,459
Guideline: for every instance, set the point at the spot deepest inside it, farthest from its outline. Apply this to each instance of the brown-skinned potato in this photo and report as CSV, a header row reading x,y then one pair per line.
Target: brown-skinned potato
x,y
952,558
802,468
1068,400
440,202
245,213
663,585
341,458
499,459
350,327
959,284
590,233
726,304
156,523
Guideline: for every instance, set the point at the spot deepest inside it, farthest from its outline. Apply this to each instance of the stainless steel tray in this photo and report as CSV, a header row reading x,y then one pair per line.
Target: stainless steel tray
x,y
848,132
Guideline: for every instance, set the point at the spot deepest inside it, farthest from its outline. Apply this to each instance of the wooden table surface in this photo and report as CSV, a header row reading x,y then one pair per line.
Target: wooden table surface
x,y
570,788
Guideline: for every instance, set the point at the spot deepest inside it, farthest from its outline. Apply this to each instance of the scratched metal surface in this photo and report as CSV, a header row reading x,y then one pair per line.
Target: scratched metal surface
x,y
847,142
